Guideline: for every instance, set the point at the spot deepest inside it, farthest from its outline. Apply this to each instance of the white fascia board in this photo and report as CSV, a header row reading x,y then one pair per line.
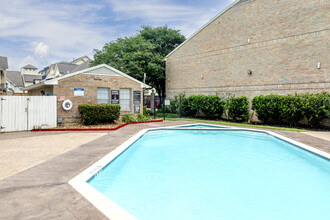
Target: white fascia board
x,y
200,29
35,86
55,81
51,82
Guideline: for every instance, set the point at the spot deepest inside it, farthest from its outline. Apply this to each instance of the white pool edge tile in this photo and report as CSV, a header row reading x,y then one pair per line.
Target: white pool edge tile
x,y
113,211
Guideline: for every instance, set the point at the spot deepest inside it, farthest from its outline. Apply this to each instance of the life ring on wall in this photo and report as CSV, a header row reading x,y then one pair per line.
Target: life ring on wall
x,y
67,105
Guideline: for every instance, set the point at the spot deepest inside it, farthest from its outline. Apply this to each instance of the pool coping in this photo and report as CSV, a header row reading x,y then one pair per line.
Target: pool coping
x,y
113,211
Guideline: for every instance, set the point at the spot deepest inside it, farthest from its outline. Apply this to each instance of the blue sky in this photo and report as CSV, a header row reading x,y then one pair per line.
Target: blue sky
x,y
41,32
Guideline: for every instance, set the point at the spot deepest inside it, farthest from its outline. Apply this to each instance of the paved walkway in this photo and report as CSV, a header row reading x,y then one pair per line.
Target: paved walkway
x,y
42,192
325,135
18,154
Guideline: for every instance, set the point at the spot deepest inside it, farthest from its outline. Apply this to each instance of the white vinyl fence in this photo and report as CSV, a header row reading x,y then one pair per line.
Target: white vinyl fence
x,y
21,113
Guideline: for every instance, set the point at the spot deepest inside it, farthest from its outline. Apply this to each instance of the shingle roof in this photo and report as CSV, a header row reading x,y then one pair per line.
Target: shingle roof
x,y
3,63
75,60
16,78
29,66
31,78
82,66
65,68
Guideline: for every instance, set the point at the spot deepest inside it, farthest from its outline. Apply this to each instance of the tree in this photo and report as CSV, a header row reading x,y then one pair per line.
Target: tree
x,y
143,53
164,38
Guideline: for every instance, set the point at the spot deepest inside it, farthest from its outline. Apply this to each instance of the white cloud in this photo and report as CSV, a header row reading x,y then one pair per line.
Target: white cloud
x,y
188,19
155,10
41,49
67,27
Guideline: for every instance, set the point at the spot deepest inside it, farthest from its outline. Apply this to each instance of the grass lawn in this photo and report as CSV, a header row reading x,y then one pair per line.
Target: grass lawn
x,y
235,124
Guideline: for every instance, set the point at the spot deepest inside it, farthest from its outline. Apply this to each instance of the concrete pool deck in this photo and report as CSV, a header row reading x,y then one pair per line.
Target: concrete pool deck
x,y
43,192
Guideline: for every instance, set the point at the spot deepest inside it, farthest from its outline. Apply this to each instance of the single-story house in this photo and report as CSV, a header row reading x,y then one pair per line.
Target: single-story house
x,y
100,84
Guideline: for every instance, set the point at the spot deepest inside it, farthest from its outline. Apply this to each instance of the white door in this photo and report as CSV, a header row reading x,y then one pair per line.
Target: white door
x,y
41,110
13,113
21,113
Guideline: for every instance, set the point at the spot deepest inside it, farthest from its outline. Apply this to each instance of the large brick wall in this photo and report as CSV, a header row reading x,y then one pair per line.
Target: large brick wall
x,y
90,83
280,41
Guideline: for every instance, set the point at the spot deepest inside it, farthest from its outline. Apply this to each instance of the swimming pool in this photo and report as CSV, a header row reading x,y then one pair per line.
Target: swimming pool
x,y
215,174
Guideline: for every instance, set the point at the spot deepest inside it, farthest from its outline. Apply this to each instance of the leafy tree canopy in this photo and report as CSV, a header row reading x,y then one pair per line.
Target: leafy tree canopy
x,y
142,53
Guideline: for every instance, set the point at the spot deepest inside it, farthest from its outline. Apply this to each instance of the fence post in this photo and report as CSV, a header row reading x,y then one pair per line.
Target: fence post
x,y
164,107
180,114
154,104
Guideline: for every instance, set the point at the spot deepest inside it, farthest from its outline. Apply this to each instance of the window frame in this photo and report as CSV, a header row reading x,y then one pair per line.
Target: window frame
x,y
130,99
97,96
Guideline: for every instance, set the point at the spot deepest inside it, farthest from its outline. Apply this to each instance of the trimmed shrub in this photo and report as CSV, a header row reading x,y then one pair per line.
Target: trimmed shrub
x,y
203,106
128,118
290,109
212,106
131,118
167,115
144,110
142,118
97,114
267,108
238,108
316,107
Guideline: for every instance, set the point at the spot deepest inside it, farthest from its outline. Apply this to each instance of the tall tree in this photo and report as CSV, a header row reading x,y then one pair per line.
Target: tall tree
x,y
164,38
143,53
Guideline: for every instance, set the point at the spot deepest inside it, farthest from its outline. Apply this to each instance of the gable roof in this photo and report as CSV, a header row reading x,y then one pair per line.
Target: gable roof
x,y
15,77
86,71
29,66
31,77
65,68
235,3
81,58
82,66
3,63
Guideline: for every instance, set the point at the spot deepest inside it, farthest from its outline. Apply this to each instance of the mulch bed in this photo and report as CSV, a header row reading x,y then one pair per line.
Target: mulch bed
x,y
102,127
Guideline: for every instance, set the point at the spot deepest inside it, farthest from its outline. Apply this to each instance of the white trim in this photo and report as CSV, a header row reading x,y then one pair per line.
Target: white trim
x,y
200,29
113,211
85,71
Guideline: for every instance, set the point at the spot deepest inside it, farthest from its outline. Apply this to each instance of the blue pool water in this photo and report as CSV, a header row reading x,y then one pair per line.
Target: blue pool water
x,y
200,126
217,174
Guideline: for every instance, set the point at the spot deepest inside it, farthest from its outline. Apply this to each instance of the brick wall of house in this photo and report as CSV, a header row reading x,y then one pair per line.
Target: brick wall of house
x,y
90,83
280,41
37,92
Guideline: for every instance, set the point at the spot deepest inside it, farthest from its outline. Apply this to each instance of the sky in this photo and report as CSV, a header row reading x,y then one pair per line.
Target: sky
x,y
42,32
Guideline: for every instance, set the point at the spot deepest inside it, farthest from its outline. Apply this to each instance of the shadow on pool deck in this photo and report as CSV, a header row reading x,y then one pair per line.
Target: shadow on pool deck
x,y
43,192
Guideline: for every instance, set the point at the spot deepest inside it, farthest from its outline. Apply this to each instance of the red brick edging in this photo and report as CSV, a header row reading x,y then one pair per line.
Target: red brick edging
x,y
96,129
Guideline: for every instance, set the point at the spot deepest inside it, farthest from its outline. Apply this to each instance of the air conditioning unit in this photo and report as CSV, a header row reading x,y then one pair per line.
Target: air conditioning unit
x,y
2,85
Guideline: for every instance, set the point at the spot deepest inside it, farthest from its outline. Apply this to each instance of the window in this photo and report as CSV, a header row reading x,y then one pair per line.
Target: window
x,y
103,96
125,99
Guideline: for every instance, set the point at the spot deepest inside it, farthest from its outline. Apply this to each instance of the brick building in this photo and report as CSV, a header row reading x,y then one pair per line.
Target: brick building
x,y
255,47
100,84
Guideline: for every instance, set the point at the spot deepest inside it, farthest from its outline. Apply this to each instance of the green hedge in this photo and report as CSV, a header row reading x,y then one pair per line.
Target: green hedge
x,y
290,109
267,108
202,106
131,118
97,114
238,108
